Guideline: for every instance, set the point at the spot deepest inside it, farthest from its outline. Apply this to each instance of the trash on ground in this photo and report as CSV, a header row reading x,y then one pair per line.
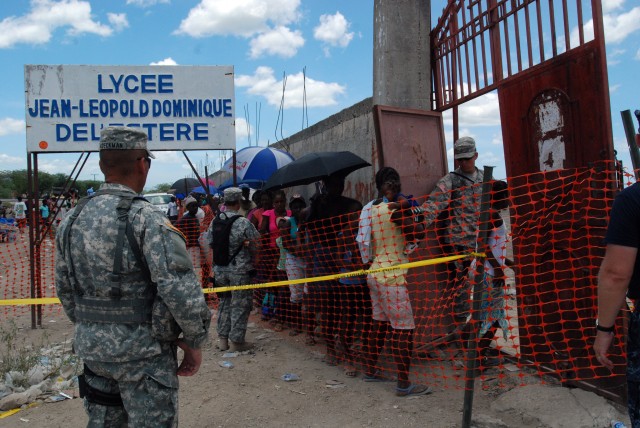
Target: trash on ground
x,y
225,364
290,377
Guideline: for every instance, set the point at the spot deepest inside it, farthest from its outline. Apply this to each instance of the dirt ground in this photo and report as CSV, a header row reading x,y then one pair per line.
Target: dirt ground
x,y
252,393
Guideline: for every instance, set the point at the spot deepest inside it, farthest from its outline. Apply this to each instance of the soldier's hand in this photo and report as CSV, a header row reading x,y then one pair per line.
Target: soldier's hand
x,y
192,359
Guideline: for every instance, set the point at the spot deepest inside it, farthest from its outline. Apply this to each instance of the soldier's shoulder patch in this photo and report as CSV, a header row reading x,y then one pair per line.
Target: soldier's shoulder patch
x,y
171,227
442,186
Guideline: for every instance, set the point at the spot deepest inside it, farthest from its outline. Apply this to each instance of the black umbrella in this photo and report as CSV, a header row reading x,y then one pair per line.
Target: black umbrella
x,y
184,185
313,167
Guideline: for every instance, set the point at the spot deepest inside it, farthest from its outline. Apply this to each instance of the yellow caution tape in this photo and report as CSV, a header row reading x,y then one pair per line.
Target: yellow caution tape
x,y
38,301
16,410
9,413
410,265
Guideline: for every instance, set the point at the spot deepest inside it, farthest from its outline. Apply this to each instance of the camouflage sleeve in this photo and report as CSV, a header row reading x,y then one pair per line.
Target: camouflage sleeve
x,y
438,200
64,289
164,249
252,235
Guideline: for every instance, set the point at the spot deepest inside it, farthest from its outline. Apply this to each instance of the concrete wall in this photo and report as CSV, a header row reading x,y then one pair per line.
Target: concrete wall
x,y
352,130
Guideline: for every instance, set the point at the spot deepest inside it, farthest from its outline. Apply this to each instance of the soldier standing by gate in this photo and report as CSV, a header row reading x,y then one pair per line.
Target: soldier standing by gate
x,y
458,195
125,280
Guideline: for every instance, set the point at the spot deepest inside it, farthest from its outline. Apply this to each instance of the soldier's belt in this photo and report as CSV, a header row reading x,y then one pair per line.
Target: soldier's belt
x,y
106,310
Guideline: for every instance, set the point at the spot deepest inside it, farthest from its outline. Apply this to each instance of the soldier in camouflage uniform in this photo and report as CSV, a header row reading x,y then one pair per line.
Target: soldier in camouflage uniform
x,y
125,280
619,277
235,307
458,194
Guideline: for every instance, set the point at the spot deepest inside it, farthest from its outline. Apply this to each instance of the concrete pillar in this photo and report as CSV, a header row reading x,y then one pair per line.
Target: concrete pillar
x,y
401,53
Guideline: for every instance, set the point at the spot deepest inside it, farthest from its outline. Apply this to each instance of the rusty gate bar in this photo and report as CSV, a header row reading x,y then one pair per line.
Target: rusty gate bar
x,y
457,55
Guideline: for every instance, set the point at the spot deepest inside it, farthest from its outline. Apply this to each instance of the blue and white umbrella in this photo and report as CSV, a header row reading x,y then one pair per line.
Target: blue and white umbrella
x,y
255,164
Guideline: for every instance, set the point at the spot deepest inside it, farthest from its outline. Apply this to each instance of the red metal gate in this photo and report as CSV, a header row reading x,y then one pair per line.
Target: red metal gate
x,y
549,69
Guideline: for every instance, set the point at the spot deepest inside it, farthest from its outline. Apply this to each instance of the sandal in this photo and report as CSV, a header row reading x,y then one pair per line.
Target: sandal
x,y
350,371
376,377
278,326
413,390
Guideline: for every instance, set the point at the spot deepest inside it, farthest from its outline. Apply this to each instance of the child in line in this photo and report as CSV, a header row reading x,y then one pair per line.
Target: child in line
x,y
295,267
493,313
408,211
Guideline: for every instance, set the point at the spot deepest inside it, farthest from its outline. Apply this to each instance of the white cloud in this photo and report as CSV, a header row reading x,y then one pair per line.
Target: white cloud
x,y
611,5
168,157
146,3
638,55
263,83
238,17
496,140
481,111
10,126
46,16
333,30
243,129
619,27
118,20
280,41
614,55
166,61
614,88
12,162
65,164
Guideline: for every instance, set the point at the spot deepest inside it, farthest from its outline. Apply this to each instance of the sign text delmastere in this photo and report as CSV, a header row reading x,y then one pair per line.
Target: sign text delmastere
x,y
179,107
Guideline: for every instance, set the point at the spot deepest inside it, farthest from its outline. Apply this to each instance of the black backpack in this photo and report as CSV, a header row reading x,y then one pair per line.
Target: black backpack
x,y
220,231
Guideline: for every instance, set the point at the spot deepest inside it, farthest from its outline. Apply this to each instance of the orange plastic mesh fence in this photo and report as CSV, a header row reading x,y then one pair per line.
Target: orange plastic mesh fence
x,y
538,314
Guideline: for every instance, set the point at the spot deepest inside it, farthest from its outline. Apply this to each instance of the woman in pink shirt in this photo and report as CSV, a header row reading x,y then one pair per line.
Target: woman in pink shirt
x,y
270,254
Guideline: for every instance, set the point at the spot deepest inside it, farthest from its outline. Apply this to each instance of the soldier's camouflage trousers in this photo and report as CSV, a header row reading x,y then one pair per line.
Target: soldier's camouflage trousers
x,y
462,290
234,308
148,388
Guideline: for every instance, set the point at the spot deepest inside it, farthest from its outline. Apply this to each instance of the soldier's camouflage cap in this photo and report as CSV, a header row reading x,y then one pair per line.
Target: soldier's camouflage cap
x,y
232,194
464,148
124,138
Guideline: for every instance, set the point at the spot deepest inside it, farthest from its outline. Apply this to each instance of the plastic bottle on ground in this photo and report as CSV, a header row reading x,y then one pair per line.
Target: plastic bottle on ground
x,y
290,377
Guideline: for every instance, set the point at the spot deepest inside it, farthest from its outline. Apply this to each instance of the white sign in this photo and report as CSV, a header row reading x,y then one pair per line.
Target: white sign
x,y
179,107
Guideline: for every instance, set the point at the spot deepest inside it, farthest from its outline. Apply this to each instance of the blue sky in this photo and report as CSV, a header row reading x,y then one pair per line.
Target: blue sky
x,y
263,39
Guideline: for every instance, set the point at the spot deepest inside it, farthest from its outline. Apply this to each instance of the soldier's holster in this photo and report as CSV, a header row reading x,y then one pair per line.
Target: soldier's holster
x,y
96,396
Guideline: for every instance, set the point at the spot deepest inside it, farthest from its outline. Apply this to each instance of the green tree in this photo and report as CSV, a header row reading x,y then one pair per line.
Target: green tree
x,y
14,183
159,188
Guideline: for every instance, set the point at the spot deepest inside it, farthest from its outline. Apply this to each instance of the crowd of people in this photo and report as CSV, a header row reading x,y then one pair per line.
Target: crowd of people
x,y
49,212
292,239
152,290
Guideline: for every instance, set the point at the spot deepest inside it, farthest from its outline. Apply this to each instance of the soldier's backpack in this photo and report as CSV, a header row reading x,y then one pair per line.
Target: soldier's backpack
x,y
220,231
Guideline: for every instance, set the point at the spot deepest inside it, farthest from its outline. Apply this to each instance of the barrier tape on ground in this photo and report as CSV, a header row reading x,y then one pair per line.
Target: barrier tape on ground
x,y
410,265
